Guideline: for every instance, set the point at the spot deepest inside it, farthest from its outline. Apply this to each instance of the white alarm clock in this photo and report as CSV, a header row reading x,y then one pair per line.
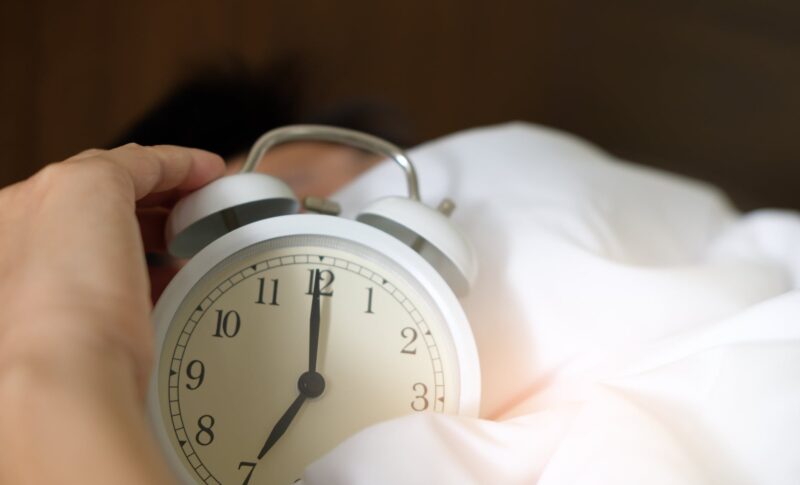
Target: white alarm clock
x,y
288,332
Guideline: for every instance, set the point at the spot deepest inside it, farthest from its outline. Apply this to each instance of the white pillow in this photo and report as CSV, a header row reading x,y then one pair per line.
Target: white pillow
x,y
632,326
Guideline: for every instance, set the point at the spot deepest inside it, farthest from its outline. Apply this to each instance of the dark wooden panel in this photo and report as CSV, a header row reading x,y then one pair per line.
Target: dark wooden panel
x,y
19,60
450,64
704,88
105,63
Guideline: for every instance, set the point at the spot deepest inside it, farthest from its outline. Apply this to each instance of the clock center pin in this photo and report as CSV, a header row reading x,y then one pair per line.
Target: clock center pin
x,y
311,384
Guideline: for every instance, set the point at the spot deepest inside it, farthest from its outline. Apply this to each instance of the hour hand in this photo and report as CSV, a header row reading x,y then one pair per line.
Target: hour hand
x,y
310,385
282,425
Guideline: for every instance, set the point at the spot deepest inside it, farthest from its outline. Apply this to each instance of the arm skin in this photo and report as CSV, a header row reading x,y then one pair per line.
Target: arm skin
x,y
75,333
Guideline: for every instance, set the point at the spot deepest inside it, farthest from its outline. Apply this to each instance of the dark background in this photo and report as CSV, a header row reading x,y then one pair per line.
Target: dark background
x,y
706,88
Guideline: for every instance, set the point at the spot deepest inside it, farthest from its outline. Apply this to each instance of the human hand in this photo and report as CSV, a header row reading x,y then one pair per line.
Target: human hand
x,y
75,333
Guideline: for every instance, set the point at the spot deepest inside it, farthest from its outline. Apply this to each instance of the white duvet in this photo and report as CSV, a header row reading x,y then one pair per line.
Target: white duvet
x,y
633,328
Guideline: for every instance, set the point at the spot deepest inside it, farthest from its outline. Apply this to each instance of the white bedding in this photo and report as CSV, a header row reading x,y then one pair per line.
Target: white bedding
x,y
632,327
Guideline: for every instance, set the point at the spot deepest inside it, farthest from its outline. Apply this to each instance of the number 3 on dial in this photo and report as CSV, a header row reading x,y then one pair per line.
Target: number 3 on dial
x,y
420,402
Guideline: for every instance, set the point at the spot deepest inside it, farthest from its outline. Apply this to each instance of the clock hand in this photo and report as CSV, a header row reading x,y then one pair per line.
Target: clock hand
x,y
310,385
313,343
282,425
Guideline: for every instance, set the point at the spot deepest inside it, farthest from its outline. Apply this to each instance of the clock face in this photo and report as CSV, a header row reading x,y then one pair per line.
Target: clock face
x,y
290,346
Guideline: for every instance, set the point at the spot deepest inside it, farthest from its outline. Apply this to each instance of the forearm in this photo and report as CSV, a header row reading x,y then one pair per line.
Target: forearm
x,y
74,419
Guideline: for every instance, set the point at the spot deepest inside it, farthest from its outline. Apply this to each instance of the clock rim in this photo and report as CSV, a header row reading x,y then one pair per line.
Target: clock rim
x,y
468,369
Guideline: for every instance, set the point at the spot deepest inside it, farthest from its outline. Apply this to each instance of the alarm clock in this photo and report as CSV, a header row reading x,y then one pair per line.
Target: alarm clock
x,y
288,332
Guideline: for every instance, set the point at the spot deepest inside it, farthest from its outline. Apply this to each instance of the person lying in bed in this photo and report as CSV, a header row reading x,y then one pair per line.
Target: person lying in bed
x,y
632,326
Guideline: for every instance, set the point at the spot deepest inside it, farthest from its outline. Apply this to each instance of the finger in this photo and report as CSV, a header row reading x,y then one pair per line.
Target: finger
x,y
162,168
152,223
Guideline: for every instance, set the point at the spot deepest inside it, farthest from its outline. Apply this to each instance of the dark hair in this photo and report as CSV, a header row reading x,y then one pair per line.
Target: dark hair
x,y
224,110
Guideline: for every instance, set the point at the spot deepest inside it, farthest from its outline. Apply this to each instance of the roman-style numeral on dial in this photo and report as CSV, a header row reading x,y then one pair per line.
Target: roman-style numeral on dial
x,y
205,436
251,466
369,300
196,371
420,402
326,278
228,324
411,334
261,287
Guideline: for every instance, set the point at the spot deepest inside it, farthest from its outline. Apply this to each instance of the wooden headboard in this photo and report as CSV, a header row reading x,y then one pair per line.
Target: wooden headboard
x,y
709,89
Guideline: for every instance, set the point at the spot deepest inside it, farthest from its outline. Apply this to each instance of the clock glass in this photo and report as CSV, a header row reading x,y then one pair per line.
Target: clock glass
x,y
288,347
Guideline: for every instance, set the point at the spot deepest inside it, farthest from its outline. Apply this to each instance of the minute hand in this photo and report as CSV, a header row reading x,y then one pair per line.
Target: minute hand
x,y
313,343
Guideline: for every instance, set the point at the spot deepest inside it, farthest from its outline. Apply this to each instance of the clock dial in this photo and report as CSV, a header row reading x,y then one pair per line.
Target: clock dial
x,y
292,345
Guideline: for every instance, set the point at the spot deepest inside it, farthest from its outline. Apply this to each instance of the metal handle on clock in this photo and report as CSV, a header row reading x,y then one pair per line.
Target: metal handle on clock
x,y
427,231
333,134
